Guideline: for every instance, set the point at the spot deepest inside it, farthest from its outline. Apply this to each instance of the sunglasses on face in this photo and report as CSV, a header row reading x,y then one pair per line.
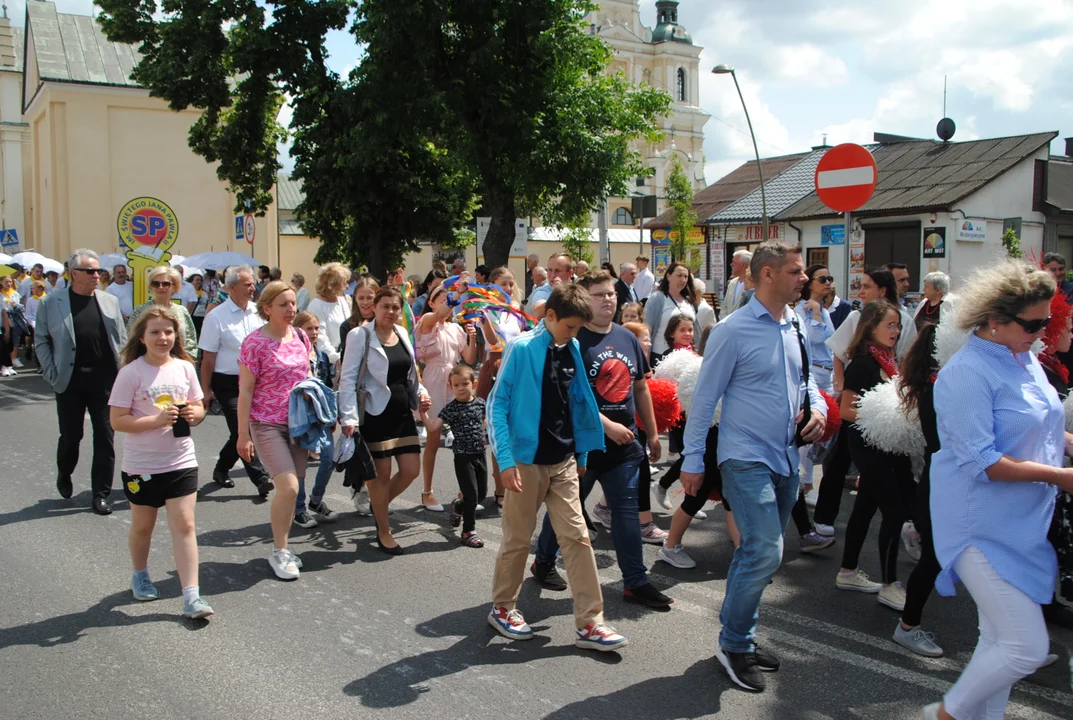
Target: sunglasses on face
x,y
160,283
825,279
89,271
1032,326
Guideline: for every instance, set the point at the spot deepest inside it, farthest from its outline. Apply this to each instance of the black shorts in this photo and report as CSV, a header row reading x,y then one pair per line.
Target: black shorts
x,y
154,490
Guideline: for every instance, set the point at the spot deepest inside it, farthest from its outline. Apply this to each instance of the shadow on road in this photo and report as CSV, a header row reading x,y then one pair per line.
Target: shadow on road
x,y
55,507
404,681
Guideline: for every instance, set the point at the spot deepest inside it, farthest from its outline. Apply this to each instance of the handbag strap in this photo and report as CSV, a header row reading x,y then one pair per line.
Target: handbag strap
x,y
361,376
806,404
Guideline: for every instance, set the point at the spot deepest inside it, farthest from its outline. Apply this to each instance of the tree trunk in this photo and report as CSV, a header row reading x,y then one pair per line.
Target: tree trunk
x,y
500,236
375,258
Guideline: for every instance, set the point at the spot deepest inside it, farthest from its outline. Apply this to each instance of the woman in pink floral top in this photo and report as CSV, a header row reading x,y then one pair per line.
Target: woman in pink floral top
x,y
272,361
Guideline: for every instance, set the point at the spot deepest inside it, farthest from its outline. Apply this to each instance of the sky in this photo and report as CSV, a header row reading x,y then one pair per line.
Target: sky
x,y
849,68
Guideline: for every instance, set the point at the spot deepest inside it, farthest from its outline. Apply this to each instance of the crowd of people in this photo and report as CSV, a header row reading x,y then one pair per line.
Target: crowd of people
x,y
554,387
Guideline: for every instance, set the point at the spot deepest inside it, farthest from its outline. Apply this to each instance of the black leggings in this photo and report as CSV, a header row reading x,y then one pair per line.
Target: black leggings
x,y
833,482
799,513
922,580
713,479
884,483
472,474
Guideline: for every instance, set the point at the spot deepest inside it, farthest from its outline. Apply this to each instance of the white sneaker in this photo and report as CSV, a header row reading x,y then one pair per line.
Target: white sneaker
x,y
283,564
661,496
931,712
677,557
859,582
825,530
7,372
17,363
701,515
911,540
361,501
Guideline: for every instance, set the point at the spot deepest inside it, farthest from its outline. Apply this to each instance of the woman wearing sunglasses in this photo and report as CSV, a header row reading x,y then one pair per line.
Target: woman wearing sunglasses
x,y
164,283
1002,432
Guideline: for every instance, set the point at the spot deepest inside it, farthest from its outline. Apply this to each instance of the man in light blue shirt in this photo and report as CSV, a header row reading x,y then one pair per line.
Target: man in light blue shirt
x,y
755,362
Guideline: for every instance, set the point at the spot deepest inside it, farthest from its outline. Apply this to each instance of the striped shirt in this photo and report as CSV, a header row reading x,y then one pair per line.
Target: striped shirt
x,y
990,403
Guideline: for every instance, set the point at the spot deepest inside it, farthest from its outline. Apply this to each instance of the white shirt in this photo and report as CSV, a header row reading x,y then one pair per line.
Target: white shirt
x,y
331,316
223,331
644,284
187,294
659,344
839,342
124,293
24,287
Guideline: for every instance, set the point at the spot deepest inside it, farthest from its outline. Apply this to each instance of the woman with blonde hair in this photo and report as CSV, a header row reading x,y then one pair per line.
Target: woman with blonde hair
x,y
331,306
272,361
164,283
1002,435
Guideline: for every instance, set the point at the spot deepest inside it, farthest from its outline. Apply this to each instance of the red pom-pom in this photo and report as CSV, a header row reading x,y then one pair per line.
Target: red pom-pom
x,y
665,403
834,418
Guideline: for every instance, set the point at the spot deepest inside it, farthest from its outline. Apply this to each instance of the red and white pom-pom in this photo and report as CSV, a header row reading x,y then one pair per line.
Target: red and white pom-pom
x,y
834,418
668,410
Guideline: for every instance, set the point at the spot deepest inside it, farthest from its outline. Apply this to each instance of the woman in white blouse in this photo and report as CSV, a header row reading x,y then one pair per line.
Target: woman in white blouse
x,y
331,306
675,296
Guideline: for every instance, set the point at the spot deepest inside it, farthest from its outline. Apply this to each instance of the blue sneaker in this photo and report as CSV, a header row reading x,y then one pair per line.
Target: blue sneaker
x,y
143,588
197,609
509,623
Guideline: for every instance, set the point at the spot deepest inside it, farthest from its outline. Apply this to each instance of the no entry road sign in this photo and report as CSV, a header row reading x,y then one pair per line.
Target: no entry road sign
x,y
846,177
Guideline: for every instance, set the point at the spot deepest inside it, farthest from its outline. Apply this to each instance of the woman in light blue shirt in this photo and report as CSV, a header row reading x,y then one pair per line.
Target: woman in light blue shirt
x,y
1002,431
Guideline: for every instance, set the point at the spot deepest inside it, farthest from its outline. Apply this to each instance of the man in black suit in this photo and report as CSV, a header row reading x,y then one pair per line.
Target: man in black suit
x,y
627,273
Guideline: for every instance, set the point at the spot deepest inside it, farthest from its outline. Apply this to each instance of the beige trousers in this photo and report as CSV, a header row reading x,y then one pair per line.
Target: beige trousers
x,y
557,487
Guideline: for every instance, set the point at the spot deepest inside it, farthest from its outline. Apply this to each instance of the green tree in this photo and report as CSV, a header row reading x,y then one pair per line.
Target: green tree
x,y
1012,243
679,195
507,97
577,238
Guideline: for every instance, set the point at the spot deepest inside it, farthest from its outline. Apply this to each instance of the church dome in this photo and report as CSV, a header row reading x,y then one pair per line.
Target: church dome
x,y
667,27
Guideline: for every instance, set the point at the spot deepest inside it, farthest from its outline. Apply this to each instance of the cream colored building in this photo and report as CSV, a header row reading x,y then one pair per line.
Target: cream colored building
x,y
97,141
664,57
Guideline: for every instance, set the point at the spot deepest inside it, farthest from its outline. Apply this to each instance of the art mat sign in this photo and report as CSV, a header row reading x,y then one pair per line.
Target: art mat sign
x,y
971,230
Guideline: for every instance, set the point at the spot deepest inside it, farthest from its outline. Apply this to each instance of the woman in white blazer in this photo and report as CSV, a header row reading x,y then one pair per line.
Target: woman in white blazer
x,y
392,391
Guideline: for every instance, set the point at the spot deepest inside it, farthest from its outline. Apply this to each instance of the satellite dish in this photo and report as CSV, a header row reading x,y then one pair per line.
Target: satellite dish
x,y
945,129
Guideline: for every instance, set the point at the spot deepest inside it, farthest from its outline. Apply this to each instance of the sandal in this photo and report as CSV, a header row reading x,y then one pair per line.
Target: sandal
x,y
471,539
435,507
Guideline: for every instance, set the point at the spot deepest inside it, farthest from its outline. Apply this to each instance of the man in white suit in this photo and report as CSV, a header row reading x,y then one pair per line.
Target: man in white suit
x,y
79,336
738,265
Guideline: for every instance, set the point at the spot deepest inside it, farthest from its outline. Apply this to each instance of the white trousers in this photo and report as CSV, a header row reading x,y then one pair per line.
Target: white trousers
x,y
1013,642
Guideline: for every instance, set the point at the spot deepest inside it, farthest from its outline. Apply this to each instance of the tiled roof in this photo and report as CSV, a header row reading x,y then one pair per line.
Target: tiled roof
x,y
731,188
1060,184
72,48
923,175
782,191
289,226
289,192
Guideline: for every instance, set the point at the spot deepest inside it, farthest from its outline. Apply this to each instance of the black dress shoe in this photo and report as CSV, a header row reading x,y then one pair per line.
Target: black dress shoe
x,y
548,576
765,660
102,506
264,487
397,550
222,479
64,485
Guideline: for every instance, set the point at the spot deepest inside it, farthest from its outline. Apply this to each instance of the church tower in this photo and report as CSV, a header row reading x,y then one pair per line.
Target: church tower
x,y
664,57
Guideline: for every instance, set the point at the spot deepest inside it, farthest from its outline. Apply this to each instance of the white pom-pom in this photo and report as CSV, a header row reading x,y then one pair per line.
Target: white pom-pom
x,y
1068,406
884,425
949,338
682,366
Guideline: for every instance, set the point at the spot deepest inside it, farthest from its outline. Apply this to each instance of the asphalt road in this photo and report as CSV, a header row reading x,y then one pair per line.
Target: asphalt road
x,y
361,634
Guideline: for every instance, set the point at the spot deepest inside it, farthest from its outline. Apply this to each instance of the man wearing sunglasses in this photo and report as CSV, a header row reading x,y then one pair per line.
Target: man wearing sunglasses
x,y
79,335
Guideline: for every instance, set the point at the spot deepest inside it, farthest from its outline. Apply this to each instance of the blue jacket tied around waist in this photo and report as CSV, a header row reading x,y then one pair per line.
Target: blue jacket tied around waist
x,y
311,412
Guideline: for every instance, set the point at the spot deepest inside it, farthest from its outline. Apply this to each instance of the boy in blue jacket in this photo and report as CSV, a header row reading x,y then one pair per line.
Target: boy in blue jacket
x,y
543,412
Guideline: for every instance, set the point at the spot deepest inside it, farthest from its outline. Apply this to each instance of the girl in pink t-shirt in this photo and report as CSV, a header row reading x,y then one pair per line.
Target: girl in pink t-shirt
x,y
271,362
155,399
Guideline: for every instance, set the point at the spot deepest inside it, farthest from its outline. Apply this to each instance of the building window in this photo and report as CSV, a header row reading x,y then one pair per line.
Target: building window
x,y
622,217
681,94
640,181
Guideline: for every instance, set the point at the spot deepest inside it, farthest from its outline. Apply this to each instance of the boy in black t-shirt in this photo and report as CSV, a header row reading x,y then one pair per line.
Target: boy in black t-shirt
x,y
465,415
615,366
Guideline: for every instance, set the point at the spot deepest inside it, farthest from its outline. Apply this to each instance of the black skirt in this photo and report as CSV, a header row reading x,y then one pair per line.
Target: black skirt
x,y
394,432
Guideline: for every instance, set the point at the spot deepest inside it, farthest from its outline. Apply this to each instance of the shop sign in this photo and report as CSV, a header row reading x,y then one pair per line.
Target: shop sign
x,y
833,235
935,242
148,229
754,233
971,230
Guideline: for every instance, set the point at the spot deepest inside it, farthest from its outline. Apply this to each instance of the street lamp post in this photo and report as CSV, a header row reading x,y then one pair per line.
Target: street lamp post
x,y
727,70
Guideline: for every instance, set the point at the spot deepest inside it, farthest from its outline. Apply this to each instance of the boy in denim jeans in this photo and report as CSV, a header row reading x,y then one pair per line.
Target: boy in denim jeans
x,y
543,412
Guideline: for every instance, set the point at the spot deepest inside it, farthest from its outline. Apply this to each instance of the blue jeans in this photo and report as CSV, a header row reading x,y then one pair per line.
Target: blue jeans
x,y
620,487
762,501
324,474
